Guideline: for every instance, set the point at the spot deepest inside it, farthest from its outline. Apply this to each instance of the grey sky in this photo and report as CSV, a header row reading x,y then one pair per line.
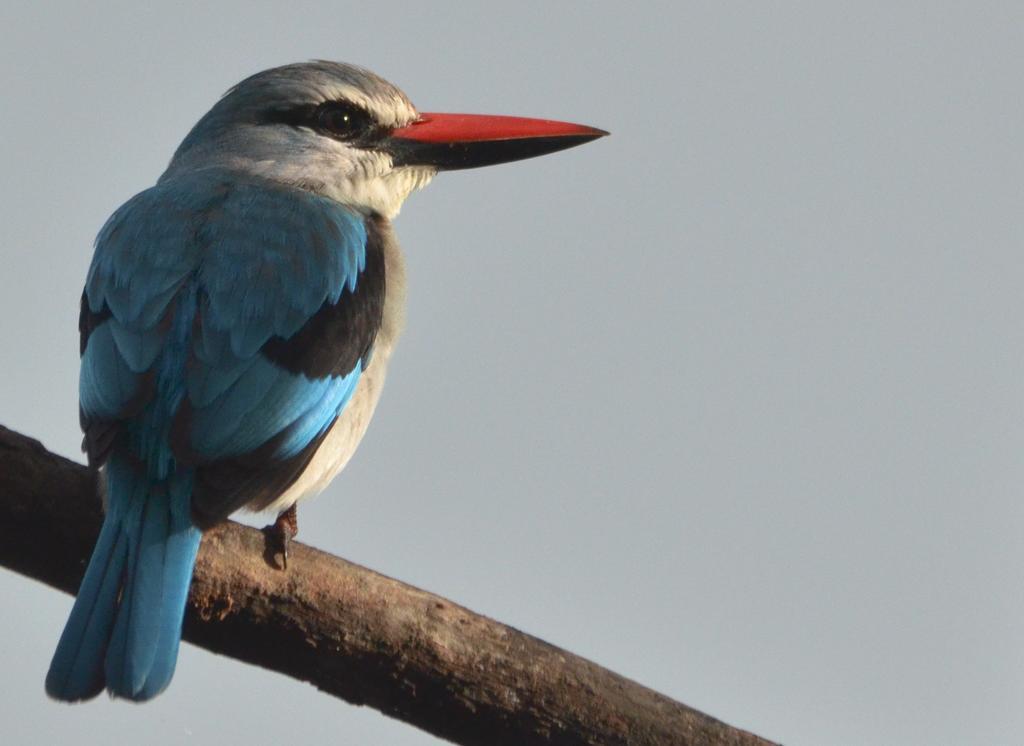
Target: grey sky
x,y
730,402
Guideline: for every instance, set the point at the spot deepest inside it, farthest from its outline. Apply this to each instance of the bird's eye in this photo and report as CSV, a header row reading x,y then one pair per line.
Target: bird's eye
x,y
342,119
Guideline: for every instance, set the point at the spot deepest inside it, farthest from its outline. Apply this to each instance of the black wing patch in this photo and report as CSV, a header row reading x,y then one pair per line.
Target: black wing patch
x,y
88,320
338,336
256,478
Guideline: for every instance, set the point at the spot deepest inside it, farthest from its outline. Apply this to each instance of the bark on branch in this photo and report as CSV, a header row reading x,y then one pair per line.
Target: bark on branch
x,y
354,634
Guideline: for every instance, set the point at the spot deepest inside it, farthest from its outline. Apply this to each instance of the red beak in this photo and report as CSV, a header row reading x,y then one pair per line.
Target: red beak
x,y
453,141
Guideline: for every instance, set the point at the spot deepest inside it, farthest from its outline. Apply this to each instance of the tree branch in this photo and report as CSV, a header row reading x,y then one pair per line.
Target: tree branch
x,y
352,633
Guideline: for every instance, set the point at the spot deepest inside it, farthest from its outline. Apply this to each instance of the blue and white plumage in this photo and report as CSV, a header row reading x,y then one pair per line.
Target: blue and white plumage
x,y
236,325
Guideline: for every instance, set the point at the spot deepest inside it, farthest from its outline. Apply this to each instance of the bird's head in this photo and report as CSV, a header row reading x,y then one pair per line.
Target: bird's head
x,y
344,132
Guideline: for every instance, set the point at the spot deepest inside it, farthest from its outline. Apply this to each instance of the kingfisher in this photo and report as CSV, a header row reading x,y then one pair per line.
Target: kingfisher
x,y
235,330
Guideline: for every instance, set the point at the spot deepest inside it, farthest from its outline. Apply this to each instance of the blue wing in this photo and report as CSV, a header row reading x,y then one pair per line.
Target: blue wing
x,y
225,326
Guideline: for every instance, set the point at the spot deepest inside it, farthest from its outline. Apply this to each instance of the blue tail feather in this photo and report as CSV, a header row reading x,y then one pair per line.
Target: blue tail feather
x,y
181,548
124,630
76,672
128,659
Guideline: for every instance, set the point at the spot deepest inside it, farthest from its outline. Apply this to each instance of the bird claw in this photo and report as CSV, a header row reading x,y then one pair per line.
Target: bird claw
x,y
279,536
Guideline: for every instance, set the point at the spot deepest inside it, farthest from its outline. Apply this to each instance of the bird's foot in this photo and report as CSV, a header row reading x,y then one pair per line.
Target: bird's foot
x,y
279,537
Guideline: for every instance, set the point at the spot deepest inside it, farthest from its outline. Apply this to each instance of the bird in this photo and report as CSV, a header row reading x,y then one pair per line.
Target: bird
x,y
235,329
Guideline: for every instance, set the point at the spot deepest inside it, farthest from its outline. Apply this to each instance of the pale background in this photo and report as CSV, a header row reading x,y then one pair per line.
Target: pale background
x,y
730,402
